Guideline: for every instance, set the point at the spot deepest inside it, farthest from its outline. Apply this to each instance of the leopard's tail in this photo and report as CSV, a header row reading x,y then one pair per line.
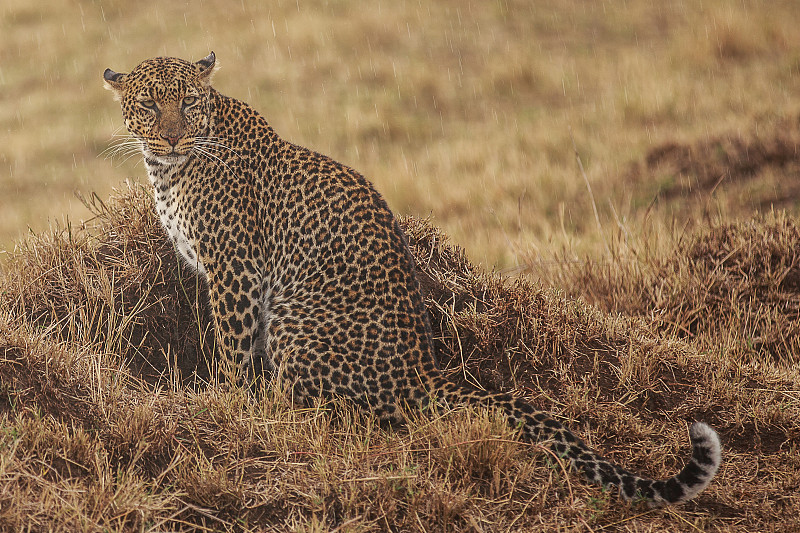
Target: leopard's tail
x,y
539,426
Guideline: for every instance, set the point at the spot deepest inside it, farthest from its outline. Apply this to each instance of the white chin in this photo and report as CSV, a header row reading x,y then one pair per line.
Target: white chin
x,y
168,159
171,159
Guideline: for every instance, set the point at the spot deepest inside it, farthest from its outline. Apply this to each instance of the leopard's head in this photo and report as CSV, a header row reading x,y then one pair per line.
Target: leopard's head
x,y
166,105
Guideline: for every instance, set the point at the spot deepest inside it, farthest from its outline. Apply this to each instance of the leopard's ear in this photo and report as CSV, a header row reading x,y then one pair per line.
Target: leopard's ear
x,y
208,65
114,81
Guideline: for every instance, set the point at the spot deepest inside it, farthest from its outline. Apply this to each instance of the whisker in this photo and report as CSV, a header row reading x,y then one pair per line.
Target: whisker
x,y
116,131
214,142
204,152
124,142
126,156
132,153
208,153
216,148
123,138
120,150
123,148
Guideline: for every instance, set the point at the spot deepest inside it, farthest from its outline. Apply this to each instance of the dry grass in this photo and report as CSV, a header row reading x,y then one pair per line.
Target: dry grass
x,y
105,426
739,278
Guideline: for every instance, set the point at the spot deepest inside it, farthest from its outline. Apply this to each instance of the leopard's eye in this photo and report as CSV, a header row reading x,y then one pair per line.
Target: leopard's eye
x,y
149,104
189,100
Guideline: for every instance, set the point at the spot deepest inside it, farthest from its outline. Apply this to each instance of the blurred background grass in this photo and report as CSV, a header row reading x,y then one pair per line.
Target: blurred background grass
x,y
468,112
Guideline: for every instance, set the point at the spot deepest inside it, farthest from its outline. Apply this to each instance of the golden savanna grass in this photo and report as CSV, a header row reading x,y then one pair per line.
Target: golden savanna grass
x,y
634,165
465,111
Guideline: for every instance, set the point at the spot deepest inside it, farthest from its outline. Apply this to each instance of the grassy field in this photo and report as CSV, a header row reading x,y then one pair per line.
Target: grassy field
x,y
469,113
631,167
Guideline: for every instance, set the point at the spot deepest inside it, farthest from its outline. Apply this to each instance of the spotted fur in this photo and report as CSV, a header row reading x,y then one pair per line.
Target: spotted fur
x,y
308,271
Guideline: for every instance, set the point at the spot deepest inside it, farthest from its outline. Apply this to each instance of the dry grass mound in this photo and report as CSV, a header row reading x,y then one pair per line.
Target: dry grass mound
x,y
117,288
749,271
110,419
738,282
730,160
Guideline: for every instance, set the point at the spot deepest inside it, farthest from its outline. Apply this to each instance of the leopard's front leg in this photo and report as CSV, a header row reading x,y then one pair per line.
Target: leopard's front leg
x,y
236,305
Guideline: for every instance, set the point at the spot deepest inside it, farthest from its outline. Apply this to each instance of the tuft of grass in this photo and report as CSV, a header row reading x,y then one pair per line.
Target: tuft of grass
x,y
111,288
737,281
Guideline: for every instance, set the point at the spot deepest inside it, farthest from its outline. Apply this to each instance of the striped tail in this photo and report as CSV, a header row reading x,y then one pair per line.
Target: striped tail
x,y
540,426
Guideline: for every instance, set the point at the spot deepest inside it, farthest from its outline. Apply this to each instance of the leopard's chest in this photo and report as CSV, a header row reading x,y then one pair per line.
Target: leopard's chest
x,y
173,214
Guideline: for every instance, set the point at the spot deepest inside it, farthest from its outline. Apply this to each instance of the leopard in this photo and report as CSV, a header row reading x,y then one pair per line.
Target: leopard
x,y
309,276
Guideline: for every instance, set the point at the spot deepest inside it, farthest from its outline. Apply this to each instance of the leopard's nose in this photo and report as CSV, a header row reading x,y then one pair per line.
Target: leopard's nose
x,y
172,140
